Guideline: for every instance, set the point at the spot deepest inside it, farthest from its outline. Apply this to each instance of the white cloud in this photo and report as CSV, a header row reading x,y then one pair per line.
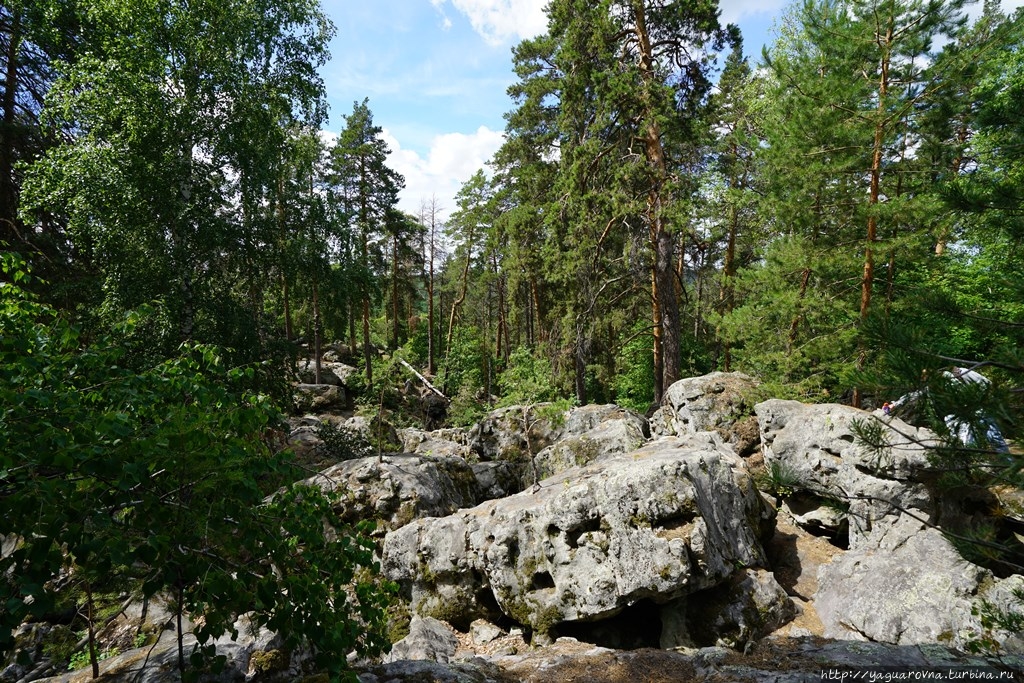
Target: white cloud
x,y
501,21
451,160
734,10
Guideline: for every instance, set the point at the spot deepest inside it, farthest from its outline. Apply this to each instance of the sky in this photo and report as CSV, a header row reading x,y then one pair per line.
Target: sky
x,y
435,74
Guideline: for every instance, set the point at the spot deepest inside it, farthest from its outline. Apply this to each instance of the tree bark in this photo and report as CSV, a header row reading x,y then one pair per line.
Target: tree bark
x,y
666,303
873,200
318,333
431,351
8,193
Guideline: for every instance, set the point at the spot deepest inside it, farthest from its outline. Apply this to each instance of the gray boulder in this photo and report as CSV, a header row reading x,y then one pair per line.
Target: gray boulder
x,y
659,523
428,639
814,448
720,401
396,489
515,432
497,479
592,433
316,398
440,442
909,587
330,372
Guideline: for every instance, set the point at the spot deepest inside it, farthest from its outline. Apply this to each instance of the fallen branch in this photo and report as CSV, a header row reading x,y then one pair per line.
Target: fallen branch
x,y
423,379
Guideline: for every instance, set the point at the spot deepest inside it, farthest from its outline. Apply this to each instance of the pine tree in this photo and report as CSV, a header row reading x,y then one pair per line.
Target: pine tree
x,y
369,192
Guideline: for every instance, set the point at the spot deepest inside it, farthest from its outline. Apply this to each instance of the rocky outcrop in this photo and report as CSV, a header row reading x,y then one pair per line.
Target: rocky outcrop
x,y
909,587
428,639
657,524
815,449
396,489
720,401
517,431
440,442
318,398
330,372
590,434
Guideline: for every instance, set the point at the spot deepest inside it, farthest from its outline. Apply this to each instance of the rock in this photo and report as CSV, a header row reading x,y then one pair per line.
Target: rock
x,y
659,523
318,398
377,432
413,671
497,479
805,660
428,639
501,435
330,372
483,632
440,442
814,448
1010,500
591,435
909,587
396,489
720,401
747,607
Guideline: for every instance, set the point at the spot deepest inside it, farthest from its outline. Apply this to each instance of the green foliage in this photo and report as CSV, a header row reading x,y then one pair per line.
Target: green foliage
x,y
526,379
339,443
81,658
634,381
994,619
778,479
158,471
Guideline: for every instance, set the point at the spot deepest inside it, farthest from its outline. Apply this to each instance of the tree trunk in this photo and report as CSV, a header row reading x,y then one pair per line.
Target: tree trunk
x,y
666,303
89,616
461,297
580,366
282,227
728,272
873,199
431,351
8,193
367,351
318,332
794,326
394,290
659,385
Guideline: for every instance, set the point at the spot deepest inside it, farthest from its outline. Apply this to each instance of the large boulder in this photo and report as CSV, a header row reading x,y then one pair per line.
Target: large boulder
x,y
318,398
815,449
330,372
911,587
515,432
555,440
662,522
428,639
720,401
440,442
396,489
592,433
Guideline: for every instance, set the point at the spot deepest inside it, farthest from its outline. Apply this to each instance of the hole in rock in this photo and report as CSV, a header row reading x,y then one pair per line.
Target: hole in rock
x,y
542,580
573,534
675,521
635,627
802,504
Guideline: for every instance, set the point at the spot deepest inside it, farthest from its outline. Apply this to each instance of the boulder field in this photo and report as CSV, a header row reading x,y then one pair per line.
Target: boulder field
x,y
724,538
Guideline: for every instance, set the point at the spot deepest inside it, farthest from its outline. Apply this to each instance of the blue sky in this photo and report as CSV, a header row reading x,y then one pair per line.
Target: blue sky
x,y
436,74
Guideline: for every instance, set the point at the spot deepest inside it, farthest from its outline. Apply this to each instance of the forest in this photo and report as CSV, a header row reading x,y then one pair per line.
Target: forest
x,y
838,217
